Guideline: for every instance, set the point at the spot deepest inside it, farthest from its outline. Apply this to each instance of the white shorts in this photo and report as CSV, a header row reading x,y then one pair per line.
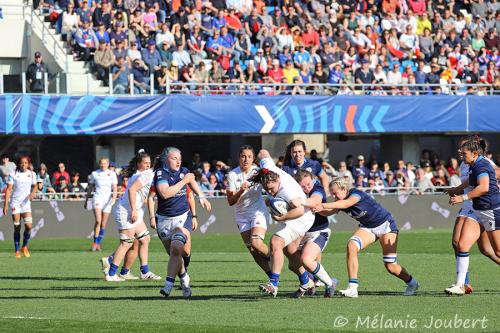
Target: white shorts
x,y
319,237
20,207
467,211
383,229
294,229
122,217
165,225
258,220
489,219
103,204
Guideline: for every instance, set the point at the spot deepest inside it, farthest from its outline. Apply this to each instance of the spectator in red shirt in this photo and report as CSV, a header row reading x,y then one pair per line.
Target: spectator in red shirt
x,y
275,73
390,6
61,171
310,37
417,6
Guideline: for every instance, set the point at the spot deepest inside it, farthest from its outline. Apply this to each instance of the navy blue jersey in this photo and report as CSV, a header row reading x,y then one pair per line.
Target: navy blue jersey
x,y
178,204
310,165
368,212
320,221
490,200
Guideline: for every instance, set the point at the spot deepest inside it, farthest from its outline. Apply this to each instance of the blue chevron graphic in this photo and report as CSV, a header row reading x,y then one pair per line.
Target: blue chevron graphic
x,y
365,114
54,121
43,105
323,120
296,121
309,119
337,116
377,120
80,106
9,109
96,111
279,116
25,114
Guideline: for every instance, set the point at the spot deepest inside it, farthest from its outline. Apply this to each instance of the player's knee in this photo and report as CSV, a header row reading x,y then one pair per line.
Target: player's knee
x,y
463,247
256,242
177,244
277,243
354,245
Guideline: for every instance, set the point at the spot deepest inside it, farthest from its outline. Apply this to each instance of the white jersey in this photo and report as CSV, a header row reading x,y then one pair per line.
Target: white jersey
x,y
289,188
251,200
103,181
22,183
464,173
146,179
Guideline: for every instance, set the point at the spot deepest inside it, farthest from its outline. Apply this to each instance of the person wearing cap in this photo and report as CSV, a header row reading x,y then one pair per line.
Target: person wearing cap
x,y
119,35
151,56
35,74
161,77
364,75
260,62
290,72
181,56
102,33
104,59
275,73
133,52
360,169
140,74
121,73
243,45
86,41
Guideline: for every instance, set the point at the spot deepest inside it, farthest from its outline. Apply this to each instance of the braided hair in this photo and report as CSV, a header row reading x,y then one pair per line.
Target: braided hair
x,y
474,143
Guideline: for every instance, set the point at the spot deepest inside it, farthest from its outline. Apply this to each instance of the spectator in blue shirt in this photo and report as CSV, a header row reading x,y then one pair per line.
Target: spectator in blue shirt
x,y
151,57
301,56
219,21
228,42
120,76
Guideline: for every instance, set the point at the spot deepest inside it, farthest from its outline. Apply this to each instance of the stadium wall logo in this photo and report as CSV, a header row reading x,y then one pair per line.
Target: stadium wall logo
x,y
62,115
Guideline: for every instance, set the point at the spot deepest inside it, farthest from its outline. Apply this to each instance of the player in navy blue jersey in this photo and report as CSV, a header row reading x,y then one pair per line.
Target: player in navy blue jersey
x,y
485,196
295,160
173,215
304,254
375,222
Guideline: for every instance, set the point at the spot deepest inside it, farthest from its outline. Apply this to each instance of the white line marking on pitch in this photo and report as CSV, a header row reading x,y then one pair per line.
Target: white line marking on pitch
x,y
24,317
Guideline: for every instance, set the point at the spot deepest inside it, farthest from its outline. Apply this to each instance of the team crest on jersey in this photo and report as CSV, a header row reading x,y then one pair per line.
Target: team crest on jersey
x,y
309,169
158,173
181,176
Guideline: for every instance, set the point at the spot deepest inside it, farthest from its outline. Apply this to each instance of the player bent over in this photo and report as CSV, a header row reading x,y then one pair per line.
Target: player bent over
x,y
129,214
297,221
375,223
21,189
314,241
173,216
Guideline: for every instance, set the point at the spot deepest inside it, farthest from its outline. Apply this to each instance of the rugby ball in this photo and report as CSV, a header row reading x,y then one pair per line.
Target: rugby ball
x,y
278,206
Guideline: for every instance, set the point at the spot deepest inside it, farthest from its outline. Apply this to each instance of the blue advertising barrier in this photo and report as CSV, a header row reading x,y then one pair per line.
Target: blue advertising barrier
x,y
58,115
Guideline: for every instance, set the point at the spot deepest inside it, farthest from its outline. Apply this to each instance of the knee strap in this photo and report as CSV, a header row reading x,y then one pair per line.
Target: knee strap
x,y
143,234
17,223
357,240
28,219
127,239
390,259
261,237
179,237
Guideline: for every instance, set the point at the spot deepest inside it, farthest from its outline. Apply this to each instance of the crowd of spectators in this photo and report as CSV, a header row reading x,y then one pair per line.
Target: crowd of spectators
x,y
338,42
430,174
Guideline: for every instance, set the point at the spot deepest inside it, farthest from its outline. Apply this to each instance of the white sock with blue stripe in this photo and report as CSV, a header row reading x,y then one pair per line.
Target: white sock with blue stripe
x,y
462,267
322,275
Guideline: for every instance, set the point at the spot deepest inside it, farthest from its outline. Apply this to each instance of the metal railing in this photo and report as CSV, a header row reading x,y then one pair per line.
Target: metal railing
x,y
267,89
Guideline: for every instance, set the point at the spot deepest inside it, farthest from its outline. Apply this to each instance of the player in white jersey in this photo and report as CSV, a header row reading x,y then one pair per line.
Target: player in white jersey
x,y
296,221
129,215
21,189
104,183
468,230
250,208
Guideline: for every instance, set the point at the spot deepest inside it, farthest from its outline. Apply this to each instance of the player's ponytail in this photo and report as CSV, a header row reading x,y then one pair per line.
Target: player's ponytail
x,y
474,143
264,176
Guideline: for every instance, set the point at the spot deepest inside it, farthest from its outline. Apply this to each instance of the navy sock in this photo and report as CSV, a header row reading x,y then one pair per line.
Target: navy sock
x,y
187,260
170,279
144,269
304,278
124,271
17,239
99,238
268,273
113,269
110,260
26,237
274,278
354,281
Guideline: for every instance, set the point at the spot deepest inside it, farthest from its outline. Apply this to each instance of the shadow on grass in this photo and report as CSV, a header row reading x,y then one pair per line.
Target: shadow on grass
x,y
49,278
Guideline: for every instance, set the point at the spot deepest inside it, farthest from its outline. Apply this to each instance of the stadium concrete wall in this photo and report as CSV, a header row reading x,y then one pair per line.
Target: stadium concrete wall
x,y
57,219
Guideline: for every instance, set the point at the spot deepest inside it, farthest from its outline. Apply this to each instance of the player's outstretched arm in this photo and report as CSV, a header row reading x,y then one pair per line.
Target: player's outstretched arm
x,y
293,213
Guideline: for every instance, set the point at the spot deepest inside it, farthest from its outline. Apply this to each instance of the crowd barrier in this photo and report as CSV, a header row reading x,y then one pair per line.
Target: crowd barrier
x,y
59,219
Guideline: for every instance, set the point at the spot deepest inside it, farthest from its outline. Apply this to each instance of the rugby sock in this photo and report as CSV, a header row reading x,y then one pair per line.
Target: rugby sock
x,y
26,237
462,267
112,270
321,274
110,260
268,273
353,283
304,278
99,238
169,283
17,239
184,278
467,280
411,281
187,260
274,279
124,271
144,269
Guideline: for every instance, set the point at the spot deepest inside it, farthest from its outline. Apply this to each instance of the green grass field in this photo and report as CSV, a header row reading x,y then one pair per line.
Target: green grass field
x,y
61,288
